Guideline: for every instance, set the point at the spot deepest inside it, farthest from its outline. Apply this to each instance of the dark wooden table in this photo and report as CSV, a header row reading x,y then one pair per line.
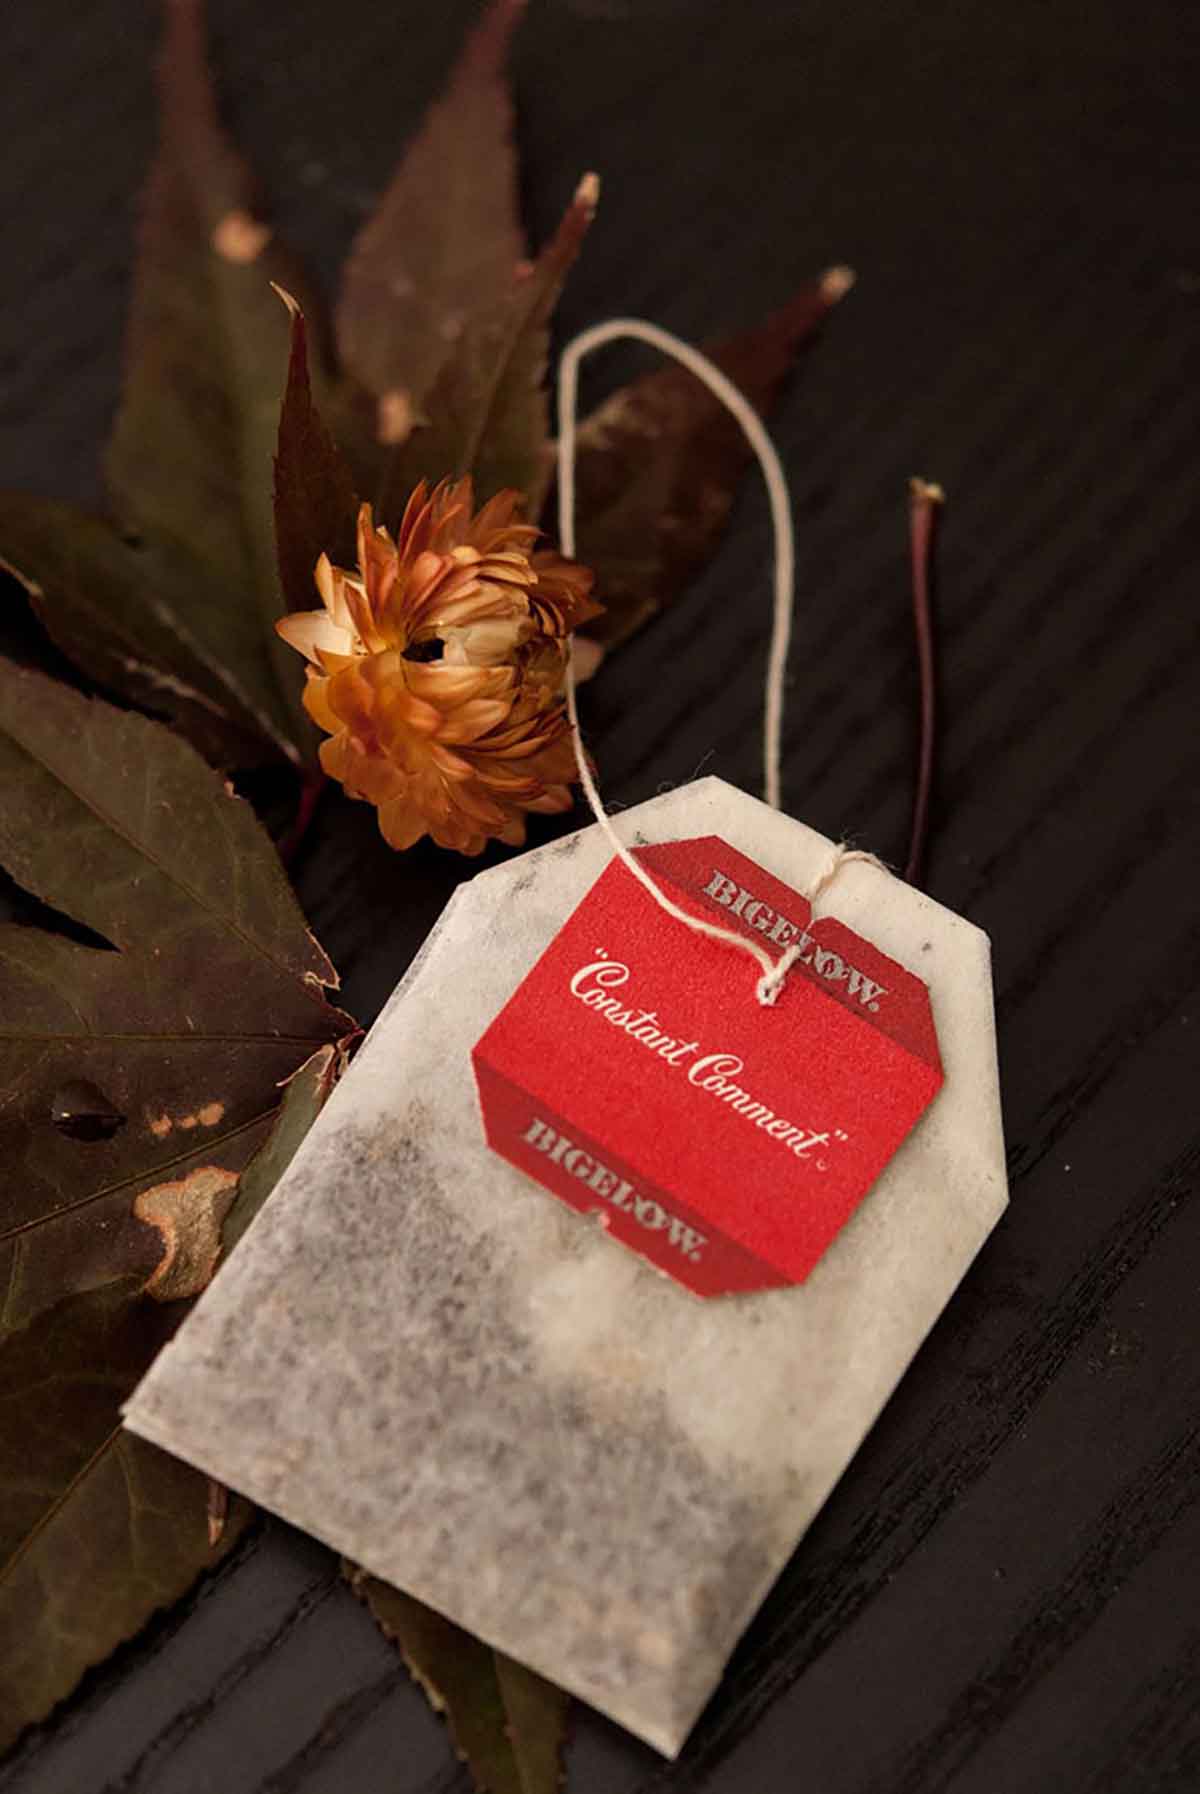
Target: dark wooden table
x,y
1002,1593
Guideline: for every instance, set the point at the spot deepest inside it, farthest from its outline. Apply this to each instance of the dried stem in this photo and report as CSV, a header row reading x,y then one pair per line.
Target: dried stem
x,y
218,1511
925,503
306,808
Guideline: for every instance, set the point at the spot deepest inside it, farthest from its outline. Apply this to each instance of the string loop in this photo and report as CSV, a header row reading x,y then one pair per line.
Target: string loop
x,y
774,971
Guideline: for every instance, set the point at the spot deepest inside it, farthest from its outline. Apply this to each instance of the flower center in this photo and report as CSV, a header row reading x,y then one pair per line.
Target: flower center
x,y
433,649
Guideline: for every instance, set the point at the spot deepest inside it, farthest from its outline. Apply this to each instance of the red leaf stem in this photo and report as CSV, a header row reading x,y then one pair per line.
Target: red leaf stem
x,y
925,504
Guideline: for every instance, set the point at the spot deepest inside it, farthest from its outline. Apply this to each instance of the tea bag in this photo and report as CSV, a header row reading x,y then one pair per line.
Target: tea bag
x,y
421,1356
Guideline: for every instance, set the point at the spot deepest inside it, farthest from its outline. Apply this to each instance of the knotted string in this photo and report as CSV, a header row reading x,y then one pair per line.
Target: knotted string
x,y
774,971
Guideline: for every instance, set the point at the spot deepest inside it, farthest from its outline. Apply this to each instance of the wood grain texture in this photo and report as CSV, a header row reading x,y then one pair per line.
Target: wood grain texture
x,y
1001,1594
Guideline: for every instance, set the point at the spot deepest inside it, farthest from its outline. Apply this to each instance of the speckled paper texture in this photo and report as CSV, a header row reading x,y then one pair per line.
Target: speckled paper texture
x,y
421,1357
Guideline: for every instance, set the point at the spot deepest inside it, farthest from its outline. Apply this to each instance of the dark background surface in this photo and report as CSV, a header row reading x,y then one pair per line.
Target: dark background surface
x,y
1002,1593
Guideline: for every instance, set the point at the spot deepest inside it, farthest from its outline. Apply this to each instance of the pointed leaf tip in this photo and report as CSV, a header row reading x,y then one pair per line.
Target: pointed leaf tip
x,y
195,427
316,505
507,1723
836,282
292,304
926,492
660,460
488,415
240,237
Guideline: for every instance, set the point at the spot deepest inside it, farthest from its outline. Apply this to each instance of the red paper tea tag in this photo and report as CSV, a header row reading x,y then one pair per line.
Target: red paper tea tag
x,y
635,1075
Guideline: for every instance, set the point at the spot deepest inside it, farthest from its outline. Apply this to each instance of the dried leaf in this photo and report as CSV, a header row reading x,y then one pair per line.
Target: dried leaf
x,y
315,501
213,998
488,411
188,1213
660,461
537,1713
507,1723
445,239
509,444
304,1096
189,461
119,618
97,1528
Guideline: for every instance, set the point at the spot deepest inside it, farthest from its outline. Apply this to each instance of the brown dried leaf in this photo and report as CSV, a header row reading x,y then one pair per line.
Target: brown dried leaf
x,y
507,1723
488,411
315,501
446,238
188,1213
660,461
97,1528
214,996
118,615
188,463
304,1096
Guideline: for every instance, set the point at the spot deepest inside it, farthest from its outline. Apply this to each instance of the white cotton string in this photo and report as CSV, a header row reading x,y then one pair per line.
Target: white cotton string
x,y
772,470
774,971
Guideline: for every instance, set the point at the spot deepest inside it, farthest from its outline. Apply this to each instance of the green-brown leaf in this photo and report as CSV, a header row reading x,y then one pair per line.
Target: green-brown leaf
x,y
488,413
119,616
97,1528
507,1723
445,240
660,461
315,501
212,999
189,464
304,1096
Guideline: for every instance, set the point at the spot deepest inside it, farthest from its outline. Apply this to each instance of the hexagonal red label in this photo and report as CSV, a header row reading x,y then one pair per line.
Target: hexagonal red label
x,y
635,1075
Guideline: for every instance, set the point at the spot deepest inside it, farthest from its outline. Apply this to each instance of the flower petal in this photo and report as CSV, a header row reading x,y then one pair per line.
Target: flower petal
x,y
458,747
311,631
401,823
331,582
471,720
441,682
315,698
491,642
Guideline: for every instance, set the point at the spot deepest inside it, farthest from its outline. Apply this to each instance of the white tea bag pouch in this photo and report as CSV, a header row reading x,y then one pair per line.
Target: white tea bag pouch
x,y
600,1262
421,1356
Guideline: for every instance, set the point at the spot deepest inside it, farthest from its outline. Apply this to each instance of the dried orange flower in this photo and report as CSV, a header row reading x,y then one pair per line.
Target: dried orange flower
x,y
437,669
